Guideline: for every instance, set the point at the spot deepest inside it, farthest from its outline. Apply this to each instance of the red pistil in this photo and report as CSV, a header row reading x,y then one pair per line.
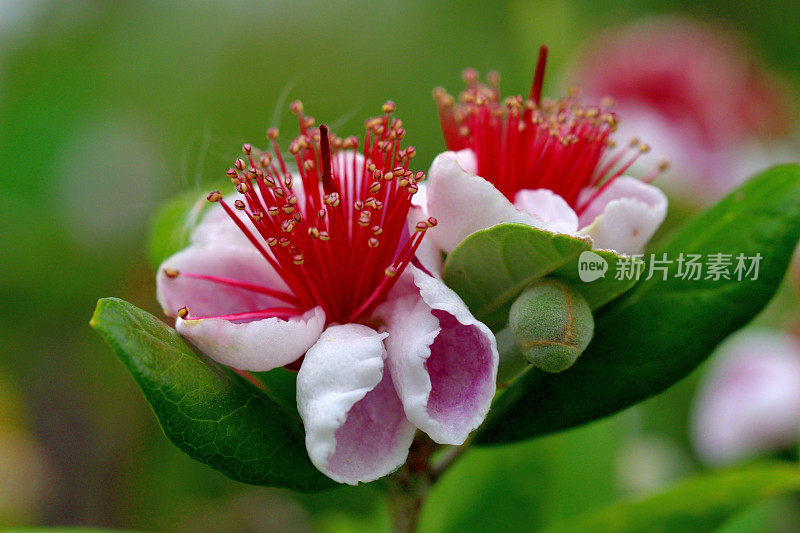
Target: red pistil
x,y
538,76
535,144
336,232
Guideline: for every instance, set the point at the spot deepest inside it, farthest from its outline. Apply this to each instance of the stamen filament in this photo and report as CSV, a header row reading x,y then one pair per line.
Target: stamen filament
x,y
333,241
271,312
288,298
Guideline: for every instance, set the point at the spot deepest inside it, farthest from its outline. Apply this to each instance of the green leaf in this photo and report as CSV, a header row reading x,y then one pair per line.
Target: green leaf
x,y
491,267
697,505
602,290
172,224
206,409
661,330
281,385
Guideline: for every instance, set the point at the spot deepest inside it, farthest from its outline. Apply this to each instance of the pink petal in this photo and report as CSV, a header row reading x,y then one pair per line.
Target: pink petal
x,y
343,165
428,253
467,160
205,298
550,207
216,227
443,361
464,203
749,402
623,187
356,430
625,216
259,345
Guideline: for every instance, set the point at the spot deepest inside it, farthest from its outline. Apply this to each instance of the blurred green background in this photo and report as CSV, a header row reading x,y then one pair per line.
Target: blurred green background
x,y
107,109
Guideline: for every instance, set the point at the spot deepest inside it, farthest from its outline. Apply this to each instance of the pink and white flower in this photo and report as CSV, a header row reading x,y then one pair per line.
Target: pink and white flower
x,y
314,270
699,93
548,164
749,401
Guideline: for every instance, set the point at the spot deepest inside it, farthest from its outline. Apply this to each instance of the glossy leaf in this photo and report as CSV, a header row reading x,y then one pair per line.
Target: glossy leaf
x,y
491,267
661,330
207,410
697,505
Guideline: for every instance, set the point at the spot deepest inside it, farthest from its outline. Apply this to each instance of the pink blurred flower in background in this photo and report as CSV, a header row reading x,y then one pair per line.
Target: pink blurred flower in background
x,y
701,96
749,402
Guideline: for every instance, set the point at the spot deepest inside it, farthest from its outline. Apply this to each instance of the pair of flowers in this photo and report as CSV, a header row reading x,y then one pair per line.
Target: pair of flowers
x,y
332,267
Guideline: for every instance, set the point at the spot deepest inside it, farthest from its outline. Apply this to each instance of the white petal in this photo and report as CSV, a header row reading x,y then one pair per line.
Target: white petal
x,y
443,361
749,402
356,430
550,207
205,298
259,345
625,216
464,203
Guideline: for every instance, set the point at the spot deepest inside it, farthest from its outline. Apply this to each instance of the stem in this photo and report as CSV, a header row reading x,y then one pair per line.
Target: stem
x,y
410,485
405,506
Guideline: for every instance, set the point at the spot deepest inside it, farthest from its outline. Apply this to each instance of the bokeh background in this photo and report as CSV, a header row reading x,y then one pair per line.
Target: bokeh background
x,y
109,108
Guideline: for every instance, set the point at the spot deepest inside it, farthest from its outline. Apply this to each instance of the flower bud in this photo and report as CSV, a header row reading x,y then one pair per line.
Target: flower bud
x,y
552,324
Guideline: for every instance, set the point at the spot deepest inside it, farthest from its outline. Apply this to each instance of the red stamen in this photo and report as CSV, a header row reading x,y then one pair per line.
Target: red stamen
x,y
338,243
277,312
534,144
288,298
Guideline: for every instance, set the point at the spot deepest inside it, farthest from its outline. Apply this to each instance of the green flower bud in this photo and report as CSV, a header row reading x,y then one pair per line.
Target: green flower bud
x,y
552,324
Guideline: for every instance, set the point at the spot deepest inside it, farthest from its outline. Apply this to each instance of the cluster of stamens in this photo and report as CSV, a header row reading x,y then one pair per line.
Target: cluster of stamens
x,y
340,238
532,143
